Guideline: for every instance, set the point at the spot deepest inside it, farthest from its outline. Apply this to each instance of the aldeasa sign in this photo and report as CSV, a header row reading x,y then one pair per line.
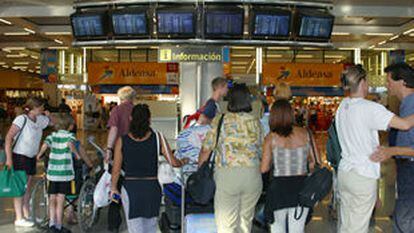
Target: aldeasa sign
x,y
193,54
302,74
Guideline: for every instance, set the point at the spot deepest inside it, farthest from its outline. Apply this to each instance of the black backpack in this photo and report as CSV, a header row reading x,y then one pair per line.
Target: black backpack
x,y
201,185
316,186
333,147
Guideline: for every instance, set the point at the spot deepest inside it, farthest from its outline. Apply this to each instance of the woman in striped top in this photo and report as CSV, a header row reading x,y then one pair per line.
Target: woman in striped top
x,y
60,171
288,149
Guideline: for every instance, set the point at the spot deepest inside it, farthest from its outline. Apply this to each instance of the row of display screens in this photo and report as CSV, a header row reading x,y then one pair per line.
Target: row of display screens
x,y
223,23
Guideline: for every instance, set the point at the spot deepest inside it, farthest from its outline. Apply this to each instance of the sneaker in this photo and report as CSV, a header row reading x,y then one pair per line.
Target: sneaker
x,y
23,223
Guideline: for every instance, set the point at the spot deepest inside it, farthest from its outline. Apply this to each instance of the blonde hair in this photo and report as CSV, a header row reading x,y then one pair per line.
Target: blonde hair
x,y
352,77
63,121
283,91
126,93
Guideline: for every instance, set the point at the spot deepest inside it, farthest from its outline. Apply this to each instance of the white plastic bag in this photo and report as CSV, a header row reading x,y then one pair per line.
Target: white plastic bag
x,y
103,191
166,174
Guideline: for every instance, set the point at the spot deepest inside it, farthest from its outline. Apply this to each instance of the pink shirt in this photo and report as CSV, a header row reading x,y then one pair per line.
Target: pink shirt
x,y
120,118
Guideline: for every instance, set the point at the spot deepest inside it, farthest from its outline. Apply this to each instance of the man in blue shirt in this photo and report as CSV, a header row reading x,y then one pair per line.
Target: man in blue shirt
x,y
400,79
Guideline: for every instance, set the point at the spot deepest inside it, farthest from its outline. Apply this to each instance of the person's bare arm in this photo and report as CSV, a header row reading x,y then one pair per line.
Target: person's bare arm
x,y
73,150
167,153
42,151
116,168
113,131
13,131
267,154
84,156
384,153
405,123
204,156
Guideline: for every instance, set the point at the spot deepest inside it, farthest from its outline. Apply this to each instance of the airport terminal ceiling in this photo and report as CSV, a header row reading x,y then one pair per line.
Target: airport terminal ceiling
x,y
26,26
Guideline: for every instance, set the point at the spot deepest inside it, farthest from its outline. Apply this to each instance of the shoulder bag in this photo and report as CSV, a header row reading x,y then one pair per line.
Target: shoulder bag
x,y
201,185
316,186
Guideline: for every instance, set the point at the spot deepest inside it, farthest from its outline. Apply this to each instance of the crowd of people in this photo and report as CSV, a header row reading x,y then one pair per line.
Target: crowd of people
x,y
246,146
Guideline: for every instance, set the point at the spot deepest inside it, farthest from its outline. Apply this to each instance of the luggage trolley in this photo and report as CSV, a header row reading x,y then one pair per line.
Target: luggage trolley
x,y
170,222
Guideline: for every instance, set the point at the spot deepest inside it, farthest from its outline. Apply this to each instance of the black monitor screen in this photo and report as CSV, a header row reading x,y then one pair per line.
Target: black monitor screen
x,y
88,25
176,23
271,25
312,26
130,24
224,23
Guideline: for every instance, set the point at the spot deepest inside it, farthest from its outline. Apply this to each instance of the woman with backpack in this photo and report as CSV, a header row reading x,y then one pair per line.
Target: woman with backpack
x,y
237,174
287,148
21,146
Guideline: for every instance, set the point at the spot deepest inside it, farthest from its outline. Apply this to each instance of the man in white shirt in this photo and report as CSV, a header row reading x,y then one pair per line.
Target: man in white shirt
x,y
358,121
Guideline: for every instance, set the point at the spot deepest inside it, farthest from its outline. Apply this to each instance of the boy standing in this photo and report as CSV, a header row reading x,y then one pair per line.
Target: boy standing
x,y
60,171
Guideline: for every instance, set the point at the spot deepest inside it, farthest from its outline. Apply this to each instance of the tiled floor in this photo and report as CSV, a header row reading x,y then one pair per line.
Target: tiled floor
x,y
321,222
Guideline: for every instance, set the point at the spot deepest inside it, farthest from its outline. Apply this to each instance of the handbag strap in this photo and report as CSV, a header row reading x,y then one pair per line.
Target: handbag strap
x,y
20,132
313,147
217,140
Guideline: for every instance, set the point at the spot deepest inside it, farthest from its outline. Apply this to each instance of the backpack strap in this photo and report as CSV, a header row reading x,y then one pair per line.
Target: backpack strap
x,y
220,124
20,132
313,147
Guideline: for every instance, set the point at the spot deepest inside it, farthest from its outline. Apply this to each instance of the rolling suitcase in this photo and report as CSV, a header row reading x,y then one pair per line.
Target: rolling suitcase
x,y
200,223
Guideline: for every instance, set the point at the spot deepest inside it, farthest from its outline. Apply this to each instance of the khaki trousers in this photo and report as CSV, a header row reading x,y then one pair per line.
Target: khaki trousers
x,y
357,197
237,193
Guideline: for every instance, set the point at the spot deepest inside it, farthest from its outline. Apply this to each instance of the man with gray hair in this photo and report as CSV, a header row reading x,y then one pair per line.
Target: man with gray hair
x,y
118,125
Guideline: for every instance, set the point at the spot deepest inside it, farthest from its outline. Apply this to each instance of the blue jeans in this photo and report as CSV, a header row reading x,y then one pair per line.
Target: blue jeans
x,y
404,206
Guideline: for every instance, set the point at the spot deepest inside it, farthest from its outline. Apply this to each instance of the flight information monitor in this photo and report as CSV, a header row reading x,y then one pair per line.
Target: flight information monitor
x,y
130,23
316,26
224,24
271,25
176,23
88,25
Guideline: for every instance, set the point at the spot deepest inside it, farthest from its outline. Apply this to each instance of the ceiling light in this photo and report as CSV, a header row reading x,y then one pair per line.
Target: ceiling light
x,y
382,49
412,34
408,31
309,48
58,41
19,67
37,67
341,33
334,56
241,55
38,72
58,47
5,21
371,47
9,49
238,67
21,63
154,47
305,56
411,59
2,63
279,48
126,47
346,48
274,56
16,33
5,66
378,34
57,33
93,47
29,30
394,37
243,48
239,63
382,42
34,57
31,71
16,55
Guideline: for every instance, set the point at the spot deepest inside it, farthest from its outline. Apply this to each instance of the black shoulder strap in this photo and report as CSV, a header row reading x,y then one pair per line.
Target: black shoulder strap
x,y
313,147
217,139
20,132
